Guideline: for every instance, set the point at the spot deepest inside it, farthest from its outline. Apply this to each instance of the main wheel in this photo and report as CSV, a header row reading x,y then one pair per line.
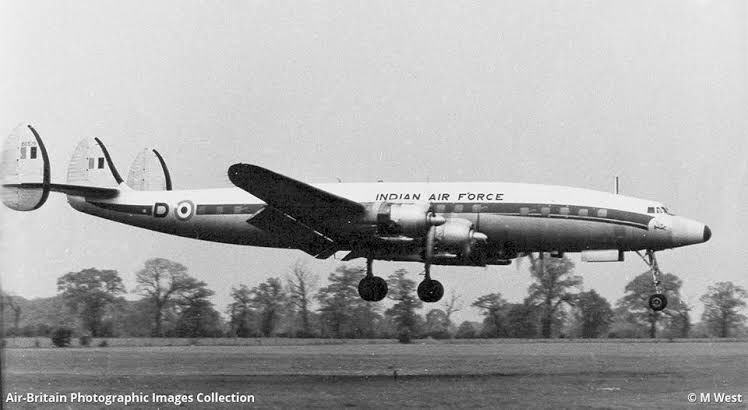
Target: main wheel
x,y
657,302
430,290
372,288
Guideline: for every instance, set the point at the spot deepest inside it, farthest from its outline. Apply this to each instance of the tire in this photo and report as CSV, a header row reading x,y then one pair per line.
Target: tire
x,y
657,302
365,290
430,291
372,289
379,287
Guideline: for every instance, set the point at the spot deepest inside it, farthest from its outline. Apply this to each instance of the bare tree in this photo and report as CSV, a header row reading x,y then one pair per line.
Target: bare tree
x,y
89,293
268,299
162,282
452,304
553,280
634,303
722,304
301,284
8,300
240,311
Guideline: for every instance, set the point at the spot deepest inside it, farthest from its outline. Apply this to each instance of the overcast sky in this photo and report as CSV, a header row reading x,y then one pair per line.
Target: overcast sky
x,y
555,92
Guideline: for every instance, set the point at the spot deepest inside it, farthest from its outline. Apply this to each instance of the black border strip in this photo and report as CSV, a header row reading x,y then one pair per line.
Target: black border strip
x,y
109,161
128,209
165,169
46,178
228,209
47,173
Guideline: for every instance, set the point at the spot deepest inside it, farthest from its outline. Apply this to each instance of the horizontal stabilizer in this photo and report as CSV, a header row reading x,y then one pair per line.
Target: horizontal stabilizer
x,y
74,190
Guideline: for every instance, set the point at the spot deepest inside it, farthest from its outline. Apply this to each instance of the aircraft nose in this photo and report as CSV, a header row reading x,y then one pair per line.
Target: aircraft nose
x,y
689,232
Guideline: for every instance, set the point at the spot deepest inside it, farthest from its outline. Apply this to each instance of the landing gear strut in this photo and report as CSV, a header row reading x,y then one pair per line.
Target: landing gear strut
x,y
658,301
429,290
372,288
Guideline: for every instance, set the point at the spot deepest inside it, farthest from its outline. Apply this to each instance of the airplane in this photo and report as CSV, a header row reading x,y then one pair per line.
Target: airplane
x,y
437,223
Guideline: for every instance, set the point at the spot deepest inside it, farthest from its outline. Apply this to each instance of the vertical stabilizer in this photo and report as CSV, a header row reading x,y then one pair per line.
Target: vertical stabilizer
x,y
91,165
149,172
24,170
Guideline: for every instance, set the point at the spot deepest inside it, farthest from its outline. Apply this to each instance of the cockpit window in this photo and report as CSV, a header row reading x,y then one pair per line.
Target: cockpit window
x,y
658,210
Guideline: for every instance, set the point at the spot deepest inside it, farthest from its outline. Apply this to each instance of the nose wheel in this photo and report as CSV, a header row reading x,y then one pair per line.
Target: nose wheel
x,y
372,288
658,301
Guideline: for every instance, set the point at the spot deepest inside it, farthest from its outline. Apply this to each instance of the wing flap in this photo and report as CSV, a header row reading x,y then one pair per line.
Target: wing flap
x,y
305,238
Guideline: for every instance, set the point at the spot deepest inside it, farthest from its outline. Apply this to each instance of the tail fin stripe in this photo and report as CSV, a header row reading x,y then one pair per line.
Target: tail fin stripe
x,y
109,161
167,176
47,174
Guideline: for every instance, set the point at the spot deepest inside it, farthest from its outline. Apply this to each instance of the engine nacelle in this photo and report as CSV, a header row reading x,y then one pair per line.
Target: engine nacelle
x,y
458,234
408,219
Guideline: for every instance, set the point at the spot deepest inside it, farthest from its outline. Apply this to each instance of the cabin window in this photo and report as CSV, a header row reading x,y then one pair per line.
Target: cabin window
x,y
564,210
524,211
32,154
101,163
441,208
602,213
458,208
477,208
23,152
545,211
651,210
90,163
583,212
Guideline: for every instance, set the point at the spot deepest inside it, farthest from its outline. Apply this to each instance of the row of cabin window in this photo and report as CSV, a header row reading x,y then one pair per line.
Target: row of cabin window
x,y
657,210
32,152
546,210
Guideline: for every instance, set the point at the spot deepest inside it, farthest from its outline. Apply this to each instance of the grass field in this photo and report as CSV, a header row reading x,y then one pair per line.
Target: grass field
x,y
507,374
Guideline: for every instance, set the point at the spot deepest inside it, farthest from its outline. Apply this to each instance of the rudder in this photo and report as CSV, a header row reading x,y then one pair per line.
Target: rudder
x,y
92,166
148,172
25,170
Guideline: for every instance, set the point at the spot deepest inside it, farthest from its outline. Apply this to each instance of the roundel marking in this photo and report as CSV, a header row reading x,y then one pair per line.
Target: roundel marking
x,y
184,210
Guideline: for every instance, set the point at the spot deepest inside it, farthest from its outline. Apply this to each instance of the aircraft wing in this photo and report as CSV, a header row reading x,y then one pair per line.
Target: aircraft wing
x,y
314,208
74,190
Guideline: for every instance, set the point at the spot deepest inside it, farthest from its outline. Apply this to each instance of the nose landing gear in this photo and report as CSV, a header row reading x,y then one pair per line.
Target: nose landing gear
x,y
372,288
658,301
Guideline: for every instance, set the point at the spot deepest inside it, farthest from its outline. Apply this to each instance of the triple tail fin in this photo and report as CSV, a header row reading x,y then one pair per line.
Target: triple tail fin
x,y
24,170
149,172
26,175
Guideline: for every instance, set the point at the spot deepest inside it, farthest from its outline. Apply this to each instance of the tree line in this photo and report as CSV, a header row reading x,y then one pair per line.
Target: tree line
x,y
175,304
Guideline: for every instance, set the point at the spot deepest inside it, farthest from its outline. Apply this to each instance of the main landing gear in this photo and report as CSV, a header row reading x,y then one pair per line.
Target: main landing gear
x,y
372,288
658,301
430,290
